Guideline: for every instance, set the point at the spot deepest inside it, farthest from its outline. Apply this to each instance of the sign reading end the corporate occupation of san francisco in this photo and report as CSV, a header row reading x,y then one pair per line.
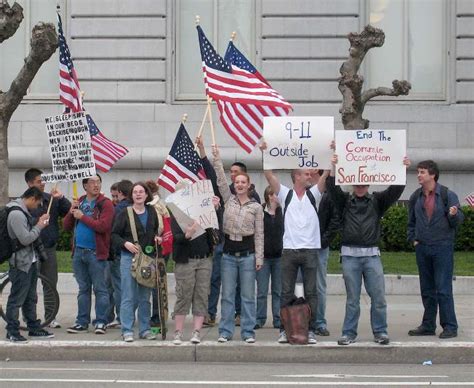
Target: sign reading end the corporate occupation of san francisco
x,y
371,157
70,148
297,142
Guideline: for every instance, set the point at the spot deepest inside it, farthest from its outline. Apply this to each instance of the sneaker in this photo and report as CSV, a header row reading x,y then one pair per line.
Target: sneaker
x,y
250,340
55,324
196,337
40,333
16,338
148,335
420,330
237,320
222,339
312,338
128,337
282,339
209,322
346,340
381,339
100,328
115,324
448,334
178,337
76,329
322,331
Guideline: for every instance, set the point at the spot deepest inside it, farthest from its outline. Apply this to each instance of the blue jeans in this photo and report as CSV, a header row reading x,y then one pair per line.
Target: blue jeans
x,y
22,295
323,256
215,281
112,280
435,266
133,296
232,267
354,269
90,272
271,267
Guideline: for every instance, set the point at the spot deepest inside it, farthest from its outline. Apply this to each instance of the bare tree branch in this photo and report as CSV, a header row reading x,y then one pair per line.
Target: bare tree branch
x,y
400,88
10,19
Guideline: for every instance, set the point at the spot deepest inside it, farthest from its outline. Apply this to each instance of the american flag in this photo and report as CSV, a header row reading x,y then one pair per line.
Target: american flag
x,y
470,199
242,95
69,90
106,152
182,162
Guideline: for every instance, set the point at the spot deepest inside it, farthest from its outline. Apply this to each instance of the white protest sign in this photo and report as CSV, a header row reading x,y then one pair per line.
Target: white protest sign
x,y
371,157
195,202
70,147
298,142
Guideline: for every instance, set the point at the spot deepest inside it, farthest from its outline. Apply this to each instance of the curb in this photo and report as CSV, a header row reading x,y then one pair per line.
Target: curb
x,y
236,351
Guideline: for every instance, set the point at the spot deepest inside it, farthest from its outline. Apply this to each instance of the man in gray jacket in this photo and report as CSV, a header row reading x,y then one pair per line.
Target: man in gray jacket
x,y
23,271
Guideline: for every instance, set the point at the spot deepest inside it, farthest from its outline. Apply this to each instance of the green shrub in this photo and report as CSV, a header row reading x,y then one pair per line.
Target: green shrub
x,y
394,229
465,233
64,241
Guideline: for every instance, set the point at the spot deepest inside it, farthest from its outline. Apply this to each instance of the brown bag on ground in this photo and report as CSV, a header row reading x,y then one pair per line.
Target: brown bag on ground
x,y
295,318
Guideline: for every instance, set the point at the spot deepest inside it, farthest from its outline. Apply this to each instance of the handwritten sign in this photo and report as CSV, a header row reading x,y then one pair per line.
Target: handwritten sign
x,y
371,157
297,142
195,203
70,147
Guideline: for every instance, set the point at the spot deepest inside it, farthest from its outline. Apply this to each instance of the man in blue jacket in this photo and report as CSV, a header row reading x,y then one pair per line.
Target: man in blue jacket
x,y
434,215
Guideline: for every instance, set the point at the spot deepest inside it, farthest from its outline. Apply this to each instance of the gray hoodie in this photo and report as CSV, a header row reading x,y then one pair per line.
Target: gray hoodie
x,y
19,228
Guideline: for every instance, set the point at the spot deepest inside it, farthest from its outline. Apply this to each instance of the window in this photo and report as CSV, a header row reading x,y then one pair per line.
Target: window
x,y
14,50
415,46
219,18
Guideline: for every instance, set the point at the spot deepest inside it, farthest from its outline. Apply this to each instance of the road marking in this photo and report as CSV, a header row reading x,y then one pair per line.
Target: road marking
x,y
75,369
345,376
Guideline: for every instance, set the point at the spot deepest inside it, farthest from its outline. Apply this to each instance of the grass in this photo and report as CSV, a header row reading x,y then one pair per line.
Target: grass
x,y
397,263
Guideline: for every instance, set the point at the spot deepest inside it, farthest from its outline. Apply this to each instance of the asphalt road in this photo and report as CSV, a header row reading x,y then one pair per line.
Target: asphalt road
x,y
70,374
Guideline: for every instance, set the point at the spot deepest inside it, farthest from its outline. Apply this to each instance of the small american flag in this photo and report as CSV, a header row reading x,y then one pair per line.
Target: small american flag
x,y
470,199
242,95
183,162
69,90
106,152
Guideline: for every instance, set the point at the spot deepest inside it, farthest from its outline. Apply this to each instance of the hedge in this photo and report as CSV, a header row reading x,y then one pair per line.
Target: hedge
x,y
394,232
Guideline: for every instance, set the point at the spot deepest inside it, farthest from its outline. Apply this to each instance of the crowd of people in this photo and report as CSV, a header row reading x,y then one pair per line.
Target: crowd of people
x,y
276,242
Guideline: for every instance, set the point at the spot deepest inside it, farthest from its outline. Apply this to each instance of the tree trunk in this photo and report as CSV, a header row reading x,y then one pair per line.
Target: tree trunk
x,y
44,42
350,83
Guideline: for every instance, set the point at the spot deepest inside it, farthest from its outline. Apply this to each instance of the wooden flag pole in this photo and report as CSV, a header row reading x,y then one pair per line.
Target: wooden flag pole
x,y
52,198
209,100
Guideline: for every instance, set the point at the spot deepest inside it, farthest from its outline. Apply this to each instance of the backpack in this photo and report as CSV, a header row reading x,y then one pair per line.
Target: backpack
x,y
444,197
310,197
8,246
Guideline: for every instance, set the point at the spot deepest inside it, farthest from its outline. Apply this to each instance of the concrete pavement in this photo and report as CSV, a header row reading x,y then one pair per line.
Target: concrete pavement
x,y
404,313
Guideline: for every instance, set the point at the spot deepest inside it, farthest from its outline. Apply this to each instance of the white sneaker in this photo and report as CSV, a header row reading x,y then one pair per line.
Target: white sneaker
x,y
196,337
282,339
55,324
312,338
128,337
115,324
250,340
222,339
178,337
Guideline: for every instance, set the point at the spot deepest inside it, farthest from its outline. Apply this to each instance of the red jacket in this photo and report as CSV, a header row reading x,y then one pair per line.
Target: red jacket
x,y
100,222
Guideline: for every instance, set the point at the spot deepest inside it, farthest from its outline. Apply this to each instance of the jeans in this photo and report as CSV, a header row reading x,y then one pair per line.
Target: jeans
x,y
133,296
435,266
291,261
323,256
49,268
354,269
112,281
22,295
90,272
233,266
271,268
215,281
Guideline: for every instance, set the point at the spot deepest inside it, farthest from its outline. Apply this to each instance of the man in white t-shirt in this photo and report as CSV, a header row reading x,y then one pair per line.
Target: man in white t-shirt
x,y
301,239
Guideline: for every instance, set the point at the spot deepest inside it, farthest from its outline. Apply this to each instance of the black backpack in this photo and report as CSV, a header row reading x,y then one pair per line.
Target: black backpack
x,y
8,246
310,197
444,197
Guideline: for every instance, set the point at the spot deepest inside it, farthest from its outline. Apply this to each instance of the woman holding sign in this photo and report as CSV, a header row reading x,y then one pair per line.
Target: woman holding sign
x,y
243,252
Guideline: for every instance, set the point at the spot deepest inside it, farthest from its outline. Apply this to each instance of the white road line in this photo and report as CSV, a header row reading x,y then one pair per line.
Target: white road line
x,y
74,369
345,376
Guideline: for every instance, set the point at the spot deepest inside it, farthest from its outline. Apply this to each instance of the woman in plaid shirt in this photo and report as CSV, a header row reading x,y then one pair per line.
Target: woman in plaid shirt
x,y
243,252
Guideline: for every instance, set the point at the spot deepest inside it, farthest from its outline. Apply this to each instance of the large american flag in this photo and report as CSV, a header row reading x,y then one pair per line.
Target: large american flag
x,y
470,199
183,162
242,95
69,90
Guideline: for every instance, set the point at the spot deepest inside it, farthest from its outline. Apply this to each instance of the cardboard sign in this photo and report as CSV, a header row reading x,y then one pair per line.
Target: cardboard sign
x,y
371,157
297,142
70,147
194,203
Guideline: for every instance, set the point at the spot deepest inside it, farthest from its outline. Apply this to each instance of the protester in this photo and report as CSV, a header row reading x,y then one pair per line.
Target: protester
x,y
23,272
135,296
434,215
50,234
243,252
90,218
273,247
114,193
360,255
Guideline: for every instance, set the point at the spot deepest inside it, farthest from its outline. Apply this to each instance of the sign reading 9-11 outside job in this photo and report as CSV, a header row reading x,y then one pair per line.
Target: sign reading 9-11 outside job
x,y
70,147
371,157
298,142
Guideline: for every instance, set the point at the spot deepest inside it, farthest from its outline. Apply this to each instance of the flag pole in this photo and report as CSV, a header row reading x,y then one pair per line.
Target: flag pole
x,y
209,100
233,35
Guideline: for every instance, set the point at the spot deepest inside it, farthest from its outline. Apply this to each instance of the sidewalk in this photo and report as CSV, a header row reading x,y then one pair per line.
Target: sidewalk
x,y
404,313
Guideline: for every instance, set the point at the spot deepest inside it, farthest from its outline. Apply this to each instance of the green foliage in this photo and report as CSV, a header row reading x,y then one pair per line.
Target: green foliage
x,y
64,241
394,229
465,234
